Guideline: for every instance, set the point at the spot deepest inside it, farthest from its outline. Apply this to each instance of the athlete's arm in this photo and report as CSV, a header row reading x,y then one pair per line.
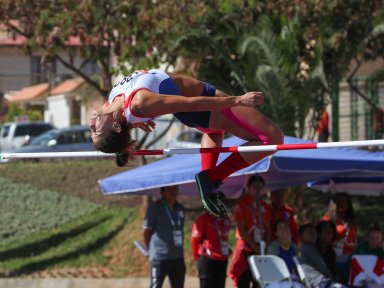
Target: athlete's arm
x,y
145,126
147,104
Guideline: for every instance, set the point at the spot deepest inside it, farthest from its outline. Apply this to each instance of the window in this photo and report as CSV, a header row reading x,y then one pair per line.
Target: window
x,y
31,130
5,131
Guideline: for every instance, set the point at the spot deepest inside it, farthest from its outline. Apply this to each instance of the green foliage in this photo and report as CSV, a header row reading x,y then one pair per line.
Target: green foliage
x,y
25,209
14,111
92,234
294,51
72,178
367,215
79,243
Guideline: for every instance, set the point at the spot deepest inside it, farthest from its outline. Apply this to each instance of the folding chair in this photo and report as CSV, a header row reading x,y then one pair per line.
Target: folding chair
x,y
366,271
300,272
268,269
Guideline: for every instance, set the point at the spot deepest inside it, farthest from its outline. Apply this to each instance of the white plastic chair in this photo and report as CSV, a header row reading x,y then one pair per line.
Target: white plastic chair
x,y
362,271
300,272
269,269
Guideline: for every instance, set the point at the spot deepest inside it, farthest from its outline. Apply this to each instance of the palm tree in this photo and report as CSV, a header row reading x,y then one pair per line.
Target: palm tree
x,y
292,77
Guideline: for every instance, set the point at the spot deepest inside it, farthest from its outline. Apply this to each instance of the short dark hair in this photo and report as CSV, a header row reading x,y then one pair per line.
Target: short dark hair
x,y
278,190
326,223
120,143
374,228
303,228
255,179
281,221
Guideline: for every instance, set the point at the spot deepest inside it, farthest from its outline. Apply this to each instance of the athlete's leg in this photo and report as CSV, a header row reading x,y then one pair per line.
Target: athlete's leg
x,y
230,121
210,140
249,130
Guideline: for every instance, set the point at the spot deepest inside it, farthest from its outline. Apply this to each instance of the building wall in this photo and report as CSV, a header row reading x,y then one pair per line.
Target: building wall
x,y
355,115
16,68
57,111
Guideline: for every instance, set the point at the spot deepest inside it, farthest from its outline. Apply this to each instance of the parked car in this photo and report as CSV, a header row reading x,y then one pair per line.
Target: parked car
x,y
186,139
75,138
16,134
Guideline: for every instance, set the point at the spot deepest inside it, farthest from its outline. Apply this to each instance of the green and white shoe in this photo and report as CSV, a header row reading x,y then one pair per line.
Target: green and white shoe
x,y
213,201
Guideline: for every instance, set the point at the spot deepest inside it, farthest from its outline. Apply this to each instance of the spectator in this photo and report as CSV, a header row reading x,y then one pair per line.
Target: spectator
x,y
326,235
343,216
252,221
283,246
210,249
316,271
163,234
281,211
374,243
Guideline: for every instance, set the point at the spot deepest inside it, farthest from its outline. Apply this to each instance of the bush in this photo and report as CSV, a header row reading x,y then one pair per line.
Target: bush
x,y
14,111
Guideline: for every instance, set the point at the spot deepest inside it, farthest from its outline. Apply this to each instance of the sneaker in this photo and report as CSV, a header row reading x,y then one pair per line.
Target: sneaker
x,y
223,204
214,202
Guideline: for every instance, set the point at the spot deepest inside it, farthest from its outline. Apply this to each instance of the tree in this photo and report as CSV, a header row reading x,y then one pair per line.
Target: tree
x,y
304,48
100,28
119,36
297,52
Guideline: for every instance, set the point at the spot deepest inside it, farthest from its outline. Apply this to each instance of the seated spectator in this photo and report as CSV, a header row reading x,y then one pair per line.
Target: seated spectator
x,y
373,244
280,211
210,248
283,246
315,269
343,216
326,235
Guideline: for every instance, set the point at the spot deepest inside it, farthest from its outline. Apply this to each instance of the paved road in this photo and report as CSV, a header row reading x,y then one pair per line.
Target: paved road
x,y
190,282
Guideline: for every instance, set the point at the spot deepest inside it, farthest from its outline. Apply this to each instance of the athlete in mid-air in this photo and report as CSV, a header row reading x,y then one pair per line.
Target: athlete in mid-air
x,y
143,96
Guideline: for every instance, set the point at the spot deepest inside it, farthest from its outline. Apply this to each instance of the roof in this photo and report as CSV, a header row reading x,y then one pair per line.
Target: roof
x,y
68,86
15,39
19,40
30,93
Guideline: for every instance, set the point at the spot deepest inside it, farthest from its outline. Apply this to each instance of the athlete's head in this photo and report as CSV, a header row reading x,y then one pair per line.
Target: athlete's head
x,y
111,134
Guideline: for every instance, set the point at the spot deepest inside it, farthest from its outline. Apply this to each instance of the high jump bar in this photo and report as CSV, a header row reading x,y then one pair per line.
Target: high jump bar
x,y
174,151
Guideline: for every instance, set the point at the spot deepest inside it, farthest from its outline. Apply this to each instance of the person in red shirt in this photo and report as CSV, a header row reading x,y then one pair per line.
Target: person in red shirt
x,y
251,215
323,129
210,249
280,211
344,217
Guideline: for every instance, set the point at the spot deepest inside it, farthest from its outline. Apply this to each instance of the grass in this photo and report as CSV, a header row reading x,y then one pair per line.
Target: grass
x,y
25,209
73,178
104,236
79,243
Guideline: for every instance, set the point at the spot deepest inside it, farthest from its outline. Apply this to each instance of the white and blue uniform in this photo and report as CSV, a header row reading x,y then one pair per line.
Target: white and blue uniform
x,y
159,82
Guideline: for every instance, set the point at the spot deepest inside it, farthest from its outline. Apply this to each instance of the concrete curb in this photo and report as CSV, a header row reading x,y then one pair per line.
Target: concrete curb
x,y
190,282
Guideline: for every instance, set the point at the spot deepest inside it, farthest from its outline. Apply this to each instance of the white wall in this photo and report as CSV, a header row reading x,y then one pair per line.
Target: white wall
x,y
57,111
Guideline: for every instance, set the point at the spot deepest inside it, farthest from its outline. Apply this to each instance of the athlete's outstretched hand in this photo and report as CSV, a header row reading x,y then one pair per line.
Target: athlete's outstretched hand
x,y
147,126
251,99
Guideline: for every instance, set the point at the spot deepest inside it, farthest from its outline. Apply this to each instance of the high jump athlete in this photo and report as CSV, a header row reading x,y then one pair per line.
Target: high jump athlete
x,y
141,97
